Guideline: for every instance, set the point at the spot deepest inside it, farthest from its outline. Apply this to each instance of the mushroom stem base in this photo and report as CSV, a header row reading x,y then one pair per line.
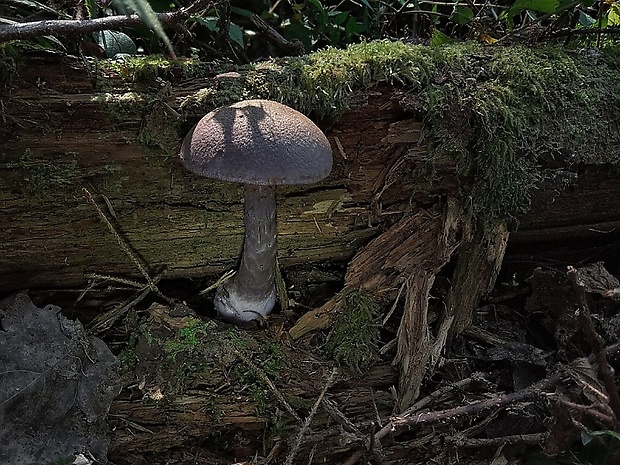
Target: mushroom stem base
x,y
251,294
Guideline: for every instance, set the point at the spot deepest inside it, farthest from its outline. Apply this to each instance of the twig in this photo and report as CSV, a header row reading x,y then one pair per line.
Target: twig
x,y
588,410
292,47
306,425
439,393
585,31
596,344
125,246
104,322
118,279
333,411
402,423
225,277
533,438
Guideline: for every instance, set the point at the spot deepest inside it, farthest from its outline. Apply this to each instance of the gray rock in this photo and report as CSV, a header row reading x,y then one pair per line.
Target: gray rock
x,y
56,386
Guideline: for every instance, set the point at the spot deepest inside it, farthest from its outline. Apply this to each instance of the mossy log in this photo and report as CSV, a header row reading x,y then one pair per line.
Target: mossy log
x,y
116,128
61,137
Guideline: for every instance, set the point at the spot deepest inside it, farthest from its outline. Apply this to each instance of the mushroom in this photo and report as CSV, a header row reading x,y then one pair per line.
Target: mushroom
x,y
261,144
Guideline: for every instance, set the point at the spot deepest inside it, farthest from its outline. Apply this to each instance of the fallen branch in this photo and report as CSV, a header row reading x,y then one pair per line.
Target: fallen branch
x,y
533,438
401,423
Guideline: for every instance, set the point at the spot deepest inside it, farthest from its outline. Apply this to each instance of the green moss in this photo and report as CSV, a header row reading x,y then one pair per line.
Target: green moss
x,y
151,71
353,339
41,176
188,339
498,111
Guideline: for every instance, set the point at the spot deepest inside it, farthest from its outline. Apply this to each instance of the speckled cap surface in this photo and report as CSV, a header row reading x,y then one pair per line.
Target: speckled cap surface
x,y
257,142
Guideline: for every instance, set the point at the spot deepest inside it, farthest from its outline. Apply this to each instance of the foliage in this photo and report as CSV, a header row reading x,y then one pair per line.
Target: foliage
x,y
227,29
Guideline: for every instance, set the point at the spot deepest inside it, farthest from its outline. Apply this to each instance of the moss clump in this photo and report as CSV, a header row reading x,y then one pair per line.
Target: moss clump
x,y
353,339
500,112
188,339
151,71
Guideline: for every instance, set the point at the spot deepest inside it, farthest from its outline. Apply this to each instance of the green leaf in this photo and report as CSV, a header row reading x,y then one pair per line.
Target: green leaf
x,y
613,434
586,20
439,38
114,42
91,8
461,14
613,17
241,11
339,17
544,6
297,30
353,27
236,34
210,22
144,10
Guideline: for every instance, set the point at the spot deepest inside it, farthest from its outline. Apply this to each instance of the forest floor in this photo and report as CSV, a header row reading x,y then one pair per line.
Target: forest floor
x,y
516,387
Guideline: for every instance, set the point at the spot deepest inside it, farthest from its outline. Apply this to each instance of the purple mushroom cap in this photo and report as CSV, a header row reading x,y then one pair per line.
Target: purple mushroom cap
x,y
257,142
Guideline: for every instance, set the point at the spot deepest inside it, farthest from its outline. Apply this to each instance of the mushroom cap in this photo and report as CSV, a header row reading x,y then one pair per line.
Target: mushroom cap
x,y
257,142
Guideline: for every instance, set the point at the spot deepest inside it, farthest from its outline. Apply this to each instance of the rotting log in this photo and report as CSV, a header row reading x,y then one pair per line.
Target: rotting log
x,y
66,127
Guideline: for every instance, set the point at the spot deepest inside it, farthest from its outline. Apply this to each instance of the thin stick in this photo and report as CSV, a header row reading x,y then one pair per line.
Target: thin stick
x,y
29,30
121,242
533,438
104,322
117,279
595,341
436,394
125,246
306,425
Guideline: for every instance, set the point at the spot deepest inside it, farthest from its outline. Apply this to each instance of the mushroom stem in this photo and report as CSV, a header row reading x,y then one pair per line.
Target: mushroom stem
x,y
251,292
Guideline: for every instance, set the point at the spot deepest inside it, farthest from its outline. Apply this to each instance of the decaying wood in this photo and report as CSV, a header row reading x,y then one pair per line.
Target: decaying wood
x,y
415,343
381,267
479,261
66,127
